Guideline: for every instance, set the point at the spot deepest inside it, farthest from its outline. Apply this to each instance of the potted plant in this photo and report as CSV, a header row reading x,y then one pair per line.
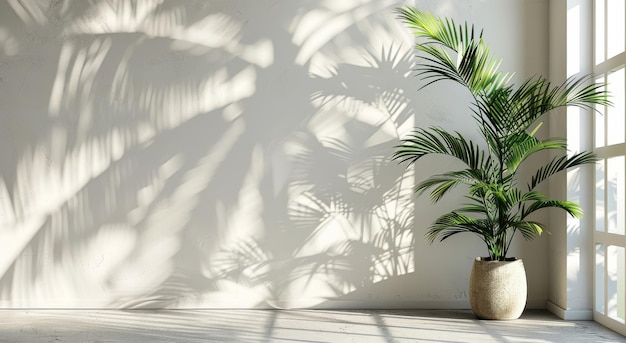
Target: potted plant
x,y
499,200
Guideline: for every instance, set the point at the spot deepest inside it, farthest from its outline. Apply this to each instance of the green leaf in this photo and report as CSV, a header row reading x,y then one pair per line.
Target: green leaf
x,y
434,140
559,164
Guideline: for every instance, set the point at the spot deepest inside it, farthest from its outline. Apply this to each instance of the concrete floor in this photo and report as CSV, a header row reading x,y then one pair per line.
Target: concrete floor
x,y
290,326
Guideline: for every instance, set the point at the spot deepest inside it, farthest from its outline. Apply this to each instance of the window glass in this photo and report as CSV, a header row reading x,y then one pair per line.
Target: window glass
x,y
600,195
615,194
615,282
615,27
600,278
615,113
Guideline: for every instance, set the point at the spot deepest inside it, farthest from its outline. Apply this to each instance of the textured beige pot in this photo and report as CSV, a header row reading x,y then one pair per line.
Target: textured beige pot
x,y
498,289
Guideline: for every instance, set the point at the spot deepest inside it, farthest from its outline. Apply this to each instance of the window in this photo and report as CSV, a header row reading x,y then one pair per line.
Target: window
x,y
609,27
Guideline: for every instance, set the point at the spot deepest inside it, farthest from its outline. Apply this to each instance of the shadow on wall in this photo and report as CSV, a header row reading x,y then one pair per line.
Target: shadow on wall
x,y
201,154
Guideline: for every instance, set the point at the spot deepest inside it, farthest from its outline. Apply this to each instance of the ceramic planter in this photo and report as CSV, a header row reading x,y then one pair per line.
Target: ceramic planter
x,y
498,289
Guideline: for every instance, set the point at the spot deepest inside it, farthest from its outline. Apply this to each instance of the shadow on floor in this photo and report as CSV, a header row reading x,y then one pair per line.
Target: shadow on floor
x,y
290,326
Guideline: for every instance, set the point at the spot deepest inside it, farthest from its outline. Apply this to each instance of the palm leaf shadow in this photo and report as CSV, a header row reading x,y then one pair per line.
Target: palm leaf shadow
x,y
128,162
349,222
139,186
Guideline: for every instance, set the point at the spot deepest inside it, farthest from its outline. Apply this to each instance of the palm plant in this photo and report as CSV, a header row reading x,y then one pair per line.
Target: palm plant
x,y
498,205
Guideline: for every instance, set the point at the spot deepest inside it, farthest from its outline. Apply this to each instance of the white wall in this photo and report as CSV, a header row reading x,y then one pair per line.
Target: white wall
x,y
231,153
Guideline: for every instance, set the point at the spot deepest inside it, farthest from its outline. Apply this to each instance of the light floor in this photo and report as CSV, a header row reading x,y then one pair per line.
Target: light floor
x,y
290,326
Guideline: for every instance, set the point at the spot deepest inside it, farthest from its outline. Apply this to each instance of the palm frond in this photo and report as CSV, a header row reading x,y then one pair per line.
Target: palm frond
x,y
523,145
529,229
570,207
454,223
515,111
446,181
434,140
446,32
559,164
474,67
472,208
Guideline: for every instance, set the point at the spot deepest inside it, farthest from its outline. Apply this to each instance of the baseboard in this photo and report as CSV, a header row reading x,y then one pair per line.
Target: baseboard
x,y
334,304
566,314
